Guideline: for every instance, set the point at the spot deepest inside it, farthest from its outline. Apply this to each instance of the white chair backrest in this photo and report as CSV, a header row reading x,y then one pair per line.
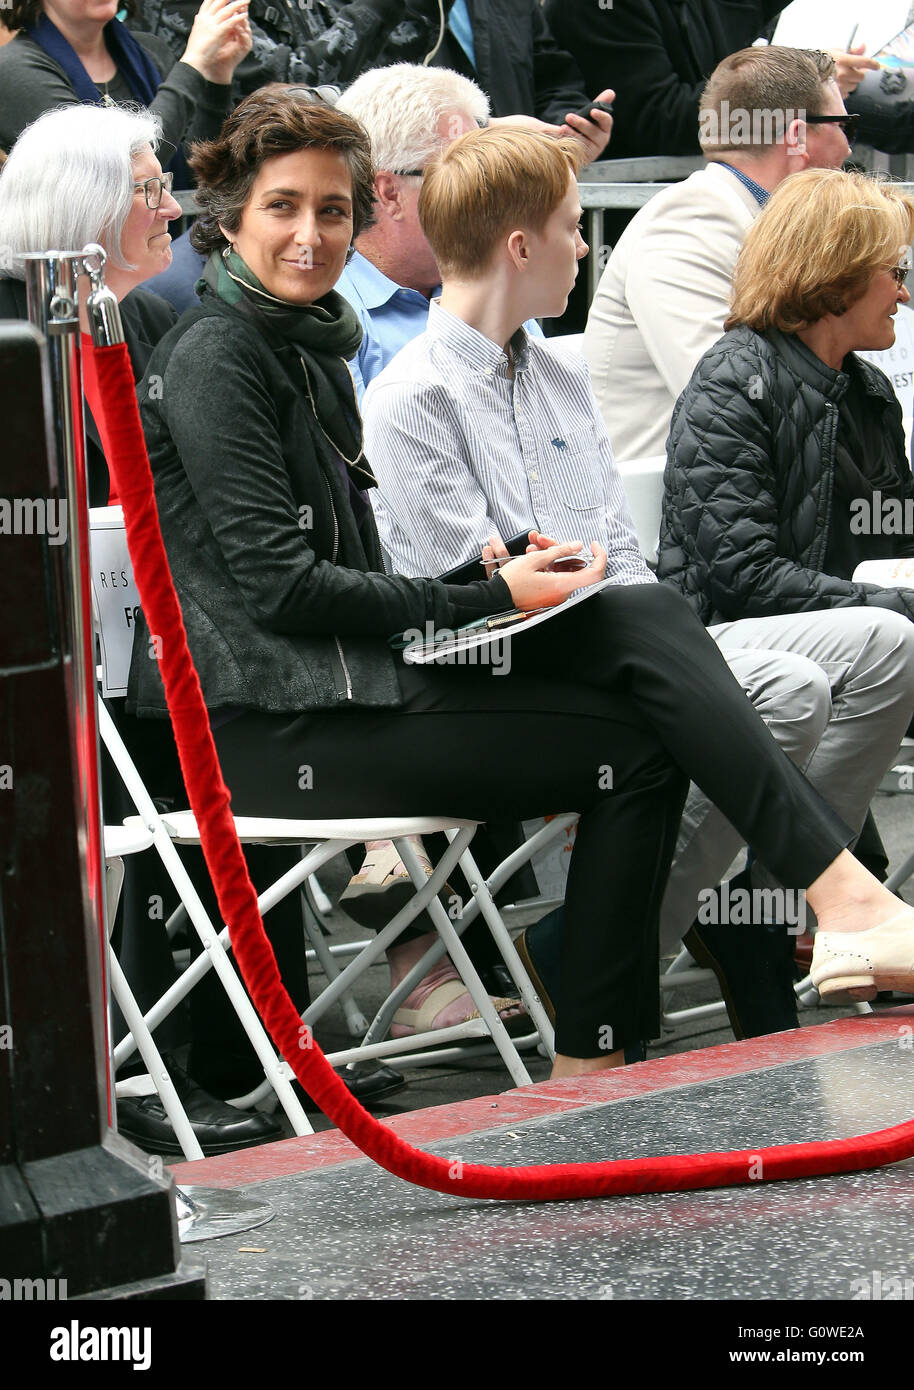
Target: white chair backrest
x,y
115,600
575,341
643,482
898,364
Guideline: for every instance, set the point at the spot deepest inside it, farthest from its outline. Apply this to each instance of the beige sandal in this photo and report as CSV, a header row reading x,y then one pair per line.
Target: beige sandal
x,y
422,1020
382,868
382,887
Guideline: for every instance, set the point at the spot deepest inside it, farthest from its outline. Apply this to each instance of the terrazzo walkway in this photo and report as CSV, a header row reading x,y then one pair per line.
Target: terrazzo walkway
x,y
345,1229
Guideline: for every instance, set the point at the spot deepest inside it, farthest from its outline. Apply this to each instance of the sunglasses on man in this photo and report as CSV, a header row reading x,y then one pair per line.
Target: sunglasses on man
x,y
848,123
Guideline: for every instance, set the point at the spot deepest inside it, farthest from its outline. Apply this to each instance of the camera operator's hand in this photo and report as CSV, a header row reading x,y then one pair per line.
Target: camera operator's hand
x,y
219,39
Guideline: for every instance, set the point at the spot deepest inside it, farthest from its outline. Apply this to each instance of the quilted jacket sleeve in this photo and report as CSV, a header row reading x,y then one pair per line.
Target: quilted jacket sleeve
x,y
735,501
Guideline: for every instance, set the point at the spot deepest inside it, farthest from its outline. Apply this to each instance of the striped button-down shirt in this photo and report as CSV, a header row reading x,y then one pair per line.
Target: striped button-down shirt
x,y
462,449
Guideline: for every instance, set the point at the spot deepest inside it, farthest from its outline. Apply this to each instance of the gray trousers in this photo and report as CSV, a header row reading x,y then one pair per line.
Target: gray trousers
x,y
836,689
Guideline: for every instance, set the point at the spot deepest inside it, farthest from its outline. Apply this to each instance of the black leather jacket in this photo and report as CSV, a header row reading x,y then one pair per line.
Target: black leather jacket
x,y
283,593
749,481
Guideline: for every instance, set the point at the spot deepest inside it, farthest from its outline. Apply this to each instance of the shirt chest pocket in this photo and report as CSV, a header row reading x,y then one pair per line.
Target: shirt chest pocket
x,y
572,471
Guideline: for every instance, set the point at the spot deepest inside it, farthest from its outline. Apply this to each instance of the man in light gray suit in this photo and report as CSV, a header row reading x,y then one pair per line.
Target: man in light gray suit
x,y
766,113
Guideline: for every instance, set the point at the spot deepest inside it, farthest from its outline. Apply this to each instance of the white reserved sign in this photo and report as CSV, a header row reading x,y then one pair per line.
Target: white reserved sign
x,y
115,600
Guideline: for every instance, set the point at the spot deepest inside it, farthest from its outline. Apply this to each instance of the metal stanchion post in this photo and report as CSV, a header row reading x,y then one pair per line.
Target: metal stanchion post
x,y
54,300
51,284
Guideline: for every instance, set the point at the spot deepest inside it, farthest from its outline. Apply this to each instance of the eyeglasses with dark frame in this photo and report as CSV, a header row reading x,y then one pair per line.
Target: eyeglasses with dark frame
x,y
848,123
154,189
899,274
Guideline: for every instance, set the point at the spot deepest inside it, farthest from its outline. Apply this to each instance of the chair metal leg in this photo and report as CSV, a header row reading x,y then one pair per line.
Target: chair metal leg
x,y
356,1022
376,948
482,892
244,1009
465,968
133,1017
153,1060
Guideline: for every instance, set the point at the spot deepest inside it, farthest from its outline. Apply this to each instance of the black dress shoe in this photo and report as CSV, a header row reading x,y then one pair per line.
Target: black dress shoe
x,y
497,980
220,1128
754,966
369,1082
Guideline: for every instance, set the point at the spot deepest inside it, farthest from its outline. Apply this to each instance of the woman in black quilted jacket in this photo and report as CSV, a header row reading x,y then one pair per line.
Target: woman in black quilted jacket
x,y
786,458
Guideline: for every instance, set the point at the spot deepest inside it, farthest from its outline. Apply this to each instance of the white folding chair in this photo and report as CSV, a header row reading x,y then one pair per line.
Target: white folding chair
x,y
121,841
116,605
326,839
643,482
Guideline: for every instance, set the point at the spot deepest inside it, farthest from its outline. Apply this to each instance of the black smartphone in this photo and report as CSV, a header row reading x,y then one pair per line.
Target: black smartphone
x,y
585,111
474,569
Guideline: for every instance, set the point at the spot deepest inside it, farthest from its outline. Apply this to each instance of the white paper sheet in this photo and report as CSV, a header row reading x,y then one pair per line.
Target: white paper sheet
x,y
829,23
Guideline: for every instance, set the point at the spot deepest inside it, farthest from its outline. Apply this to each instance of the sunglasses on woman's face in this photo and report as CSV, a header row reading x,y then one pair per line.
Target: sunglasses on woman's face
x,y
848,123
900,274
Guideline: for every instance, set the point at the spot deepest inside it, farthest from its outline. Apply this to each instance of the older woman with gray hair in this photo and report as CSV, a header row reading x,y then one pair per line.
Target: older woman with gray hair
x,y
91,174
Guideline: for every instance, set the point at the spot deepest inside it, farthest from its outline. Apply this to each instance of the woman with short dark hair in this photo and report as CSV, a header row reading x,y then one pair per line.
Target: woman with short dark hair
x,y
256,450
91,174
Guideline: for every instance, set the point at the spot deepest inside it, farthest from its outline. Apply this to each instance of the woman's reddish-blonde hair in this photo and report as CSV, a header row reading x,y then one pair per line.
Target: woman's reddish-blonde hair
x,y
816,246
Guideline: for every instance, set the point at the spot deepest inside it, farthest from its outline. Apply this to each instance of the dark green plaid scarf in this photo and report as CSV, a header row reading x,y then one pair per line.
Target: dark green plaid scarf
x,y
323,334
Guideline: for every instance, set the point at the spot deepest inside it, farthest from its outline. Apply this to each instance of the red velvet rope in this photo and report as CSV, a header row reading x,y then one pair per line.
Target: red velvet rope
x,y
209,799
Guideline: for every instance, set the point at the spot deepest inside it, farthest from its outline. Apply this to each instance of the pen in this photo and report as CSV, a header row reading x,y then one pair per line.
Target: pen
x,y
850,42
505,619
